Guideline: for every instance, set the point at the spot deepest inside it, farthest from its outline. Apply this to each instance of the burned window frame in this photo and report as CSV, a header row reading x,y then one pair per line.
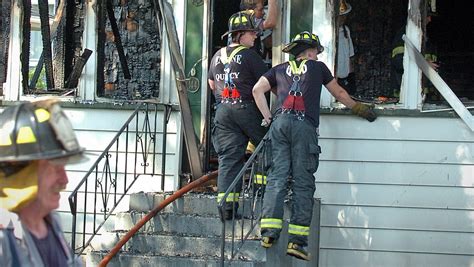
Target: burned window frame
x,y
415,31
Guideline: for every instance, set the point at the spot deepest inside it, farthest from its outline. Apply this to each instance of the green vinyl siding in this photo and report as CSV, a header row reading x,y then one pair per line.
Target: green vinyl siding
x,y
193,52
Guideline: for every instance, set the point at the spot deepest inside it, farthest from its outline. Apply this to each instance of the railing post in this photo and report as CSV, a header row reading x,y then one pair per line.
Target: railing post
x,y
166,119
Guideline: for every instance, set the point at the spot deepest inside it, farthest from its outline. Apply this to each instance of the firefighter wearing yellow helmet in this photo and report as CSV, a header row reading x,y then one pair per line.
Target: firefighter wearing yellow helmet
x,y
294,138
233,72
36,141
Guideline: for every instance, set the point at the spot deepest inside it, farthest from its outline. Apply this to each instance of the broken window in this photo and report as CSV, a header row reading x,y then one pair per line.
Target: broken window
x,y
128,50
451,31
373,27
447,29
43,67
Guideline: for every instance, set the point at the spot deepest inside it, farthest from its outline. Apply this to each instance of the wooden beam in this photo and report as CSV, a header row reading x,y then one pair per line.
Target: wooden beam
x,y
73,79
194,158
118,40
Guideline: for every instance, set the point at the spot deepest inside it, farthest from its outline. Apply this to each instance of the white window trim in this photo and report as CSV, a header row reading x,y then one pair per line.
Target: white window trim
x,y
325,27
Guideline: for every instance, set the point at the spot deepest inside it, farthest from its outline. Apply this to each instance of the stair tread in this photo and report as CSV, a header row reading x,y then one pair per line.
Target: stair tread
x,y
184,255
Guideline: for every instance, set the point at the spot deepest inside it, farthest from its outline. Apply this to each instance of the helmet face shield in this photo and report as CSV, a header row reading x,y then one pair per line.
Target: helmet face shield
x,y
33,131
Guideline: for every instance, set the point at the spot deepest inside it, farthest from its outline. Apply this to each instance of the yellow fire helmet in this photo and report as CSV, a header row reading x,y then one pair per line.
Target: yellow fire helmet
x,y
30,132
303,41
239,22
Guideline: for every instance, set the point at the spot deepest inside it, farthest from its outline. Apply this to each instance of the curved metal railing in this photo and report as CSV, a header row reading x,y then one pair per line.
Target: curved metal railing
x,y
109,179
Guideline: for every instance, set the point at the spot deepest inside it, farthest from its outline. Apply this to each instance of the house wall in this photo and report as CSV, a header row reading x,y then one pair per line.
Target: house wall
x,y
396,192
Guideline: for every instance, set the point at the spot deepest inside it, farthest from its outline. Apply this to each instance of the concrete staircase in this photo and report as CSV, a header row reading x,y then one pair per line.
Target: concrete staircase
x,y
186,233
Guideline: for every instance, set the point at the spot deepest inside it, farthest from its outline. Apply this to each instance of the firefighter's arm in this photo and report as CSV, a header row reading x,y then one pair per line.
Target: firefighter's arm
x,y
211,84
340,94
259,90
271,20
357,108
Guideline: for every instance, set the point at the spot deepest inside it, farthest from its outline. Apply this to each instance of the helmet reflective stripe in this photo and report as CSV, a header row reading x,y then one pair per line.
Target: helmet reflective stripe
x,y
240,21
306,36
25,136
42,115
237,20
303,38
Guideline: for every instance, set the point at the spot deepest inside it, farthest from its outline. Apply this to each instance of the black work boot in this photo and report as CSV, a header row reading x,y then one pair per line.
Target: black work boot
x,y
297,251
229,214
267,241
231,211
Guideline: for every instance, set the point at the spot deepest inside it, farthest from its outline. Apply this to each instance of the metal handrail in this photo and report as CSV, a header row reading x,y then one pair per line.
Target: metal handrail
x,y
251,195
106,176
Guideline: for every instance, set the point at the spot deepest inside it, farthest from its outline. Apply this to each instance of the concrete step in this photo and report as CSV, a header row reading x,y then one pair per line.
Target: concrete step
x,y
175,245
185,224
191,203
125,259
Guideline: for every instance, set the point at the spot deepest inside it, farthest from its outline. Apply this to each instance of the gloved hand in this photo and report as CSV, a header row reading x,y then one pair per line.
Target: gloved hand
x,y
364,111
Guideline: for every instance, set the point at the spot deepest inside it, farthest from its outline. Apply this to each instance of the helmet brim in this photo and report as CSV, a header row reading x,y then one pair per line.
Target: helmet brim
x,y
290,47
229,32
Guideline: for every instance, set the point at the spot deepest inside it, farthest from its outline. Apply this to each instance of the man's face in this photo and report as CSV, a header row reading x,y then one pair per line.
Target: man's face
x,y
52,179
259,12
248,38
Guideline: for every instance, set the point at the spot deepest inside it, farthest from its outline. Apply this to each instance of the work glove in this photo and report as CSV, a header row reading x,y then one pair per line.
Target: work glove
x,y
364,111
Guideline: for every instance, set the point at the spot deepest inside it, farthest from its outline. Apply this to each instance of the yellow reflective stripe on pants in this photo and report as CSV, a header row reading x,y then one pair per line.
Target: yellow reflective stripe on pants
x,y
260,179
232,197
298,229
398,50
271,223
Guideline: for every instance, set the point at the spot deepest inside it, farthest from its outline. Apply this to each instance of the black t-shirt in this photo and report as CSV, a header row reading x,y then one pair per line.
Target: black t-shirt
x,y
313,77
245,69
50,249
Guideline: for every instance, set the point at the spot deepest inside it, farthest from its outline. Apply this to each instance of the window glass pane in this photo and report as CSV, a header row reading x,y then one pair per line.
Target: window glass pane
x,y
301,16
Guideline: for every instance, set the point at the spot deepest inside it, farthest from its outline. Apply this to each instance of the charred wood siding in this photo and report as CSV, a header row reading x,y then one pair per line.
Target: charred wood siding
x,y
5,11
141,43
74,29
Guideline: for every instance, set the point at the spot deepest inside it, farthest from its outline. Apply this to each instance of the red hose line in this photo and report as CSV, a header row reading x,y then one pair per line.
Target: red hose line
x,y
153,213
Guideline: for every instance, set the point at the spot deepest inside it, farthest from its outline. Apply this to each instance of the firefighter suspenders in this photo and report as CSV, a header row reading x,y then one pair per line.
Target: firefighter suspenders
x,y
230,94
294,102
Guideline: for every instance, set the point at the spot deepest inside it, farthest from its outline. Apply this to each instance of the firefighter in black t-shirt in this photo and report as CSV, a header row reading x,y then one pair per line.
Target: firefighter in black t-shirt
x,y
294,138
233,72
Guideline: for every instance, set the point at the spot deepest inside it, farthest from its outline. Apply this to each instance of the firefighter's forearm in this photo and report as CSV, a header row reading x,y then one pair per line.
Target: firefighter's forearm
x,y
340,94
272,16
259,90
